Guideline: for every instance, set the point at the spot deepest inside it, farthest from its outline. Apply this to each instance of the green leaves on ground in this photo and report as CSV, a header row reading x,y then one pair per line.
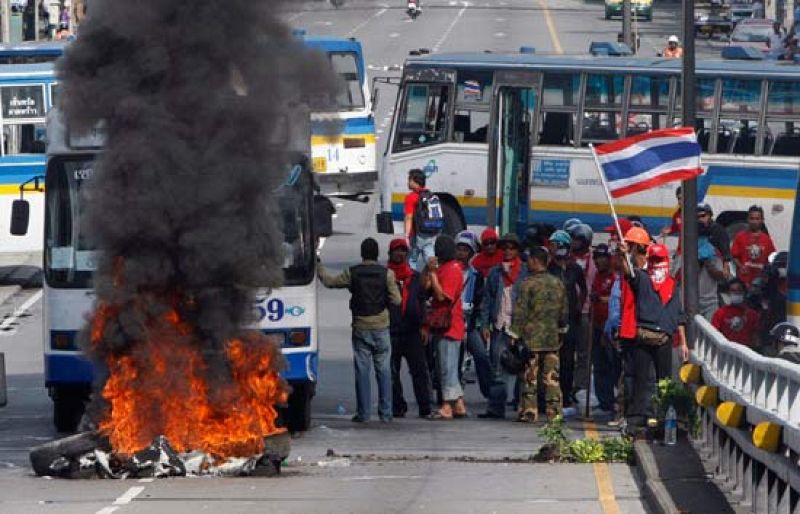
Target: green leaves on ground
x,y
587,450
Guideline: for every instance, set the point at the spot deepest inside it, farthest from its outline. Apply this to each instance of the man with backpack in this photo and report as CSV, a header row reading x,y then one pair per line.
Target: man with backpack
x,y
373,288
423,219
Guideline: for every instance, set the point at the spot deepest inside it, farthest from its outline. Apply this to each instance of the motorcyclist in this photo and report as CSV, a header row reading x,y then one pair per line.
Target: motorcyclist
x,y
786,338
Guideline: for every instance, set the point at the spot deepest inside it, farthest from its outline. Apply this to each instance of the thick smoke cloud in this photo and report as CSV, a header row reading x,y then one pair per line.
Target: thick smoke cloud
x,y
190,93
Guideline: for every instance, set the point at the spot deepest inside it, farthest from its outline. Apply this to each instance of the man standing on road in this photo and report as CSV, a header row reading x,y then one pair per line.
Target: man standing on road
x,y
752,247
423,219
574,281
499,295
716,234
406,325
489,255
540,312
373,288
604,357
673,49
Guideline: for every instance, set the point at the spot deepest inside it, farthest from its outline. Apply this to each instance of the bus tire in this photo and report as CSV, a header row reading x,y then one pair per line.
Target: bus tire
x,y
68,408
453,224
298,411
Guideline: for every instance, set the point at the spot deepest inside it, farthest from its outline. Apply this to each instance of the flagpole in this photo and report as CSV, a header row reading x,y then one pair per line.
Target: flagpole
x,y
610,203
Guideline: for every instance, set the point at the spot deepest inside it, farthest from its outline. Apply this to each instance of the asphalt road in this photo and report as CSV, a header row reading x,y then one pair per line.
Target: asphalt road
x,y
410,465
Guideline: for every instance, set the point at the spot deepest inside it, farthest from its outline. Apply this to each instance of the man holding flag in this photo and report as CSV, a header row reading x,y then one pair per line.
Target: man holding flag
x,y
651,301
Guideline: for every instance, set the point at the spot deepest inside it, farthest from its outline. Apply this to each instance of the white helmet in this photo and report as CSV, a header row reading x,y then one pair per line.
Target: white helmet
x,y
673,39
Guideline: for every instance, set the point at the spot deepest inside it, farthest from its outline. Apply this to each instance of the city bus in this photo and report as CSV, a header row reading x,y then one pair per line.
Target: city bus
x,y
343,141
288,312
27,92
31,52
503,138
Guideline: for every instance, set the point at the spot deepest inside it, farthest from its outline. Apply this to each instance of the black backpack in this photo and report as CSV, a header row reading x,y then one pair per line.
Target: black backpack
x,y
428,216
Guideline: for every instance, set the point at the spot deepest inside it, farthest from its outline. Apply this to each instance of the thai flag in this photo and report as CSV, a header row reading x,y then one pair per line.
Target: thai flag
x,y
649,160
472,89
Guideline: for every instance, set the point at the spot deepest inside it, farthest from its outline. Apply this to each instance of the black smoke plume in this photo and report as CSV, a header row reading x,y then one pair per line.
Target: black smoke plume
x,y
179,207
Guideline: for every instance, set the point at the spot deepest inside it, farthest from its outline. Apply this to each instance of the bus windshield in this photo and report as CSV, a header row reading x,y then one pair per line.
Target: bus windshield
x,y
351,96
70,260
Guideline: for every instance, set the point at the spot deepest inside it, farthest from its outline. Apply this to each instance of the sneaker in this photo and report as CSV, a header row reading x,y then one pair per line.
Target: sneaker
x,y
358,419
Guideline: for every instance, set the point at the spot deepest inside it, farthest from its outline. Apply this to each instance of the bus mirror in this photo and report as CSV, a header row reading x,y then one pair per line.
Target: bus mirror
x,y
323,216
20,216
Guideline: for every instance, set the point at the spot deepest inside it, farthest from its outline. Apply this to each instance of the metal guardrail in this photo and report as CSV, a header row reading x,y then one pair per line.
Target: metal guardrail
x,y
769,390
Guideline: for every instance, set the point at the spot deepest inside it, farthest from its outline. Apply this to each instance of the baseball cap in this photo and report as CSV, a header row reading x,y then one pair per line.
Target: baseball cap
x,y
398,243
624,223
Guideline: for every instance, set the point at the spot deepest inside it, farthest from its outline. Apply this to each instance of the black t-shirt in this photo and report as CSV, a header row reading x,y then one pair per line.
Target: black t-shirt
x,y
574,281
651,313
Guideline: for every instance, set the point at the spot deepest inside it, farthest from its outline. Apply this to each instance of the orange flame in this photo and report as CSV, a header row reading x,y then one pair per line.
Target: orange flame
x,y
164,387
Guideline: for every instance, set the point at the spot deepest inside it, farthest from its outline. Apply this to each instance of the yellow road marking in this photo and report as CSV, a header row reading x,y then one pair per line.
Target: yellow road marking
x,y
551,27
605,487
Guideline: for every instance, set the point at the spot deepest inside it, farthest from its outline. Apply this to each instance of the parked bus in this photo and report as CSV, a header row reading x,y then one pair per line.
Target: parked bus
x,y
31,52
510,131
27,91
289,312
343,141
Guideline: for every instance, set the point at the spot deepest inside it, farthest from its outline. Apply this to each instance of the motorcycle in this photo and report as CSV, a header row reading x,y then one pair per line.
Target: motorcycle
x,y
413,9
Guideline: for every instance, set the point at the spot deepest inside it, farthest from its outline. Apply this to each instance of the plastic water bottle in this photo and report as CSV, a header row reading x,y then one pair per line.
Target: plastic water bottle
x,y
671,427
340,409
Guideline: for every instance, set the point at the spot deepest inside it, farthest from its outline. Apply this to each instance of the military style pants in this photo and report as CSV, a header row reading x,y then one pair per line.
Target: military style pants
x,y
545,364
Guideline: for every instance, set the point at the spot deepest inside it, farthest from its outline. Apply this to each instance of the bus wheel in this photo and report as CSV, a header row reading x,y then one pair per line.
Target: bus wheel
x,y
452,221
68,408
298,415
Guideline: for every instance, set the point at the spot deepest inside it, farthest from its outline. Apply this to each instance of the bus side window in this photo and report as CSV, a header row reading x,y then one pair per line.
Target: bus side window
x,y
783,118
423,120
23,139
557,128
471,126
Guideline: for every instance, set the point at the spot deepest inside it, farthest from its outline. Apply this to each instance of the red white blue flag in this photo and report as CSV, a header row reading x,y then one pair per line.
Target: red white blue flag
x,y
649,160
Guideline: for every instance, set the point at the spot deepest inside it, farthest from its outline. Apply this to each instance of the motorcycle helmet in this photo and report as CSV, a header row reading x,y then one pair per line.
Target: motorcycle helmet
x,y
581,232
561,238
785,334
570,223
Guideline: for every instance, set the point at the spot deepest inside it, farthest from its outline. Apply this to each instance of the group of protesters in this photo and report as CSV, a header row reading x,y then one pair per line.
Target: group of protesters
x,y
532,313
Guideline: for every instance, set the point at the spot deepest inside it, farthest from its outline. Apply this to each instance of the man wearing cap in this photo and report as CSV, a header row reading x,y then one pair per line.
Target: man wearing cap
x,y
673,49
406,323
604,357
716,234
489,255
574,281
466,248
540,311
373,288
500,293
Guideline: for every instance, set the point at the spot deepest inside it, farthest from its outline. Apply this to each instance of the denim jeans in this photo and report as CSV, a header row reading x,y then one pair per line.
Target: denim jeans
x,y
372,347
447,351
502,382
480,356
421,251
606,369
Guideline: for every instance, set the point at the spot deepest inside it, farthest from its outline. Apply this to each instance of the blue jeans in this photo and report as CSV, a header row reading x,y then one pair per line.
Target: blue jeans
x,y
502,382
606,369
421,251
447,359
372,346
483,367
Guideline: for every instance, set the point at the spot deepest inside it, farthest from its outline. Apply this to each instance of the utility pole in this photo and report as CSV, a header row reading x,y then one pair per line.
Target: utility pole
x,y
35,20
689,190
627,36
5,14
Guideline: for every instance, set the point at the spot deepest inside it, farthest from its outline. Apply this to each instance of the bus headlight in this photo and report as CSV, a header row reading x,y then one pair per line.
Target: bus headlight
x,y
63,341
297,337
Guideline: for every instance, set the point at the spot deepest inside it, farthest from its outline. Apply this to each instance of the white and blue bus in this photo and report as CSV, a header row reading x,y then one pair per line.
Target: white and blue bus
x,y
288,312
27,92
503,137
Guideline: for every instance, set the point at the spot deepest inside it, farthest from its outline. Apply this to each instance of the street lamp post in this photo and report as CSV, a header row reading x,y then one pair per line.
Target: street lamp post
x,y
5,14
627,36
689,206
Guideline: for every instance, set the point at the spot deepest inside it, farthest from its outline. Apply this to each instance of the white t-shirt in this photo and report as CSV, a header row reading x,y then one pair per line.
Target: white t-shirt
x,y
776,41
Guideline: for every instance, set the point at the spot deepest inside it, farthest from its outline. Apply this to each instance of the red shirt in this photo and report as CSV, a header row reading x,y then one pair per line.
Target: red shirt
x,y
738,323
675,228
601,288
751,250
410,206
451,278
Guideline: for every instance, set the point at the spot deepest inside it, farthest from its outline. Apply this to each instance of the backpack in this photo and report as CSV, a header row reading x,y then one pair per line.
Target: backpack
x,y
428,216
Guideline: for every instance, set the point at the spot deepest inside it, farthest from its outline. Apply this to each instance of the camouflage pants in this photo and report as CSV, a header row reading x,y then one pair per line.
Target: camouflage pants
x,y
546,363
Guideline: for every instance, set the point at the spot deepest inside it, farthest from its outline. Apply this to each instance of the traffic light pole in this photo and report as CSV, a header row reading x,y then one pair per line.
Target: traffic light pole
x,y
690,264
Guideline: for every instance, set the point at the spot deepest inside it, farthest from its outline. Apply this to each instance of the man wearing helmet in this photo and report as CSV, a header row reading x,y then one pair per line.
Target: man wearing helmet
x,y
659,316
786,338
572,277
673,49
581,255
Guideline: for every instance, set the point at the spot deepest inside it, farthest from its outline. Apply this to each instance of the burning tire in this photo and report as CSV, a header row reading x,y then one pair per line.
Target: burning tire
x,y
298,412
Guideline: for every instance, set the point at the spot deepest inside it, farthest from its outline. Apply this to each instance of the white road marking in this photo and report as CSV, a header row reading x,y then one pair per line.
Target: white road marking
x,y
129,495
294,16
321,245
364,23
9,321
106,510
381,12
394,35
146,480
450,28
500,34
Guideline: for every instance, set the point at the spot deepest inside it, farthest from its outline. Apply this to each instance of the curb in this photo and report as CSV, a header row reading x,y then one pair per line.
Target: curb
x,y
654,492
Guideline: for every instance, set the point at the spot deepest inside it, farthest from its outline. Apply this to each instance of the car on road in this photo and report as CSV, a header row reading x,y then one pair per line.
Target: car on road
x,y
740,11
753,33
642,9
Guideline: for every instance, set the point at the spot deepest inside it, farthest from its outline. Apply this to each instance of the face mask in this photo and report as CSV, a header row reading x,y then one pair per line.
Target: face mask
x,y
659,275
736,299
562,253
781,272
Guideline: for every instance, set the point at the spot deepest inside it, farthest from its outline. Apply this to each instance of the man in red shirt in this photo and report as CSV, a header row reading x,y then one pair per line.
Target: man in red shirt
x,y
604,356
736,320
421,244
751,248
445,281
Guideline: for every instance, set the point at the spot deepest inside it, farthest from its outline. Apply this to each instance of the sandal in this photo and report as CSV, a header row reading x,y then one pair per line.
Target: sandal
x,y
527,417
460,410
439,415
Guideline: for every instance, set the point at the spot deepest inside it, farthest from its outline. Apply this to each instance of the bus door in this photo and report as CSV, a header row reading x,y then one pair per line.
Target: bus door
x,y
508,177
